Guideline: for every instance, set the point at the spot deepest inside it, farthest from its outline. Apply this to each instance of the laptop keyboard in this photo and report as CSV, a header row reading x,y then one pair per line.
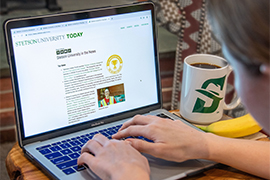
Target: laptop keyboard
x,y
64,154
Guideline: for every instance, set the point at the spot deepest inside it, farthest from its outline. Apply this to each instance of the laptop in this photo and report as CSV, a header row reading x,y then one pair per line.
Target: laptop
x,y
75,74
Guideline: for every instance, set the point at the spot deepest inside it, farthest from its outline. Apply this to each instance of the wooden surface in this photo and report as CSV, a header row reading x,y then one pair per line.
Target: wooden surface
x,y
19,167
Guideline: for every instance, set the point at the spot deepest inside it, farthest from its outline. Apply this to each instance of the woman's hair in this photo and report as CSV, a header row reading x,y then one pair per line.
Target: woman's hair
x,y
243,26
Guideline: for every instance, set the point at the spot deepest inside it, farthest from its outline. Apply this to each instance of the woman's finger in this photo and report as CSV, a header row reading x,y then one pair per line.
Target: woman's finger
x,y
85,158
91,146
100,139
142,146
136,120
137,130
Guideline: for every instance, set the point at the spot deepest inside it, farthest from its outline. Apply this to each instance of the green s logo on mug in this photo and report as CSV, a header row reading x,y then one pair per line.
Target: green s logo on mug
x,y
199,104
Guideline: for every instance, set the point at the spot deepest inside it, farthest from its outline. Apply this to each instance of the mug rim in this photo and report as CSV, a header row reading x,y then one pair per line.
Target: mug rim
x,y
207,55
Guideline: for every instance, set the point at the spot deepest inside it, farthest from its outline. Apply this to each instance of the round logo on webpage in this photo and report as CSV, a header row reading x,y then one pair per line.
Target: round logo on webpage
x,y
114,64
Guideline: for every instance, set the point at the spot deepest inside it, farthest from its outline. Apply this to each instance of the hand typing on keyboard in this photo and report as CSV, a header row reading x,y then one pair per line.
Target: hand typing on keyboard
x,y
113,159
173,140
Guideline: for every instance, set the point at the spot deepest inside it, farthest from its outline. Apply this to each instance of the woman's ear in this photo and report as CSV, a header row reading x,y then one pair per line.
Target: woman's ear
x,y
265,69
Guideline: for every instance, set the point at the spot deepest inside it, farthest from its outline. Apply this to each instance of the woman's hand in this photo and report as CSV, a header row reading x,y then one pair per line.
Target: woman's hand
x,y
114,159
173,140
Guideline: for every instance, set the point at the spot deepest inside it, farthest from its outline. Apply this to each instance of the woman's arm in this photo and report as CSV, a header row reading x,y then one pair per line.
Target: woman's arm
x,y
176,141
246,155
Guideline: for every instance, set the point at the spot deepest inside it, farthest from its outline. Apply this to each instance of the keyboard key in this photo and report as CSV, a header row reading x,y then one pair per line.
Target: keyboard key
x,y
74,143
148,140
57,143
129,137
66,145
79,168
75,148
83,140
74,155
60,160
81,145
104,133
118,127
42,147
53,155
93,133
67,164
45,151
69,171
55,148
140,137
66,151
75,138
143,138
111,132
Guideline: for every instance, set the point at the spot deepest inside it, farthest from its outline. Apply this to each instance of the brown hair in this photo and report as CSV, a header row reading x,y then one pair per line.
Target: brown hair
x,y
243,26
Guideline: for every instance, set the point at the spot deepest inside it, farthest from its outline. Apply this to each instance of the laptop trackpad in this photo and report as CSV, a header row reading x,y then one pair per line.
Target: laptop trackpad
x,y
162,169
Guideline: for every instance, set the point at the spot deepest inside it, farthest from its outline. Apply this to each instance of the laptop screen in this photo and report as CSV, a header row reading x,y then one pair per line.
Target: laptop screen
x,y
82,70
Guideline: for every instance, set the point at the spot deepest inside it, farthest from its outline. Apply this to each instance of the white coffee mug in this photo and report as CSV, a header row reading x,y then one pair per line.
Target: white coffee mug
x,y
204,89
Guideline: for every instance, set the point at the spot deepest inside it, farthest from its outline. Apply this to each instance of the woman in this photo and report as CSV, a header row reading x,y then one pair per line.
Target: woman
x,y
243,30
107,100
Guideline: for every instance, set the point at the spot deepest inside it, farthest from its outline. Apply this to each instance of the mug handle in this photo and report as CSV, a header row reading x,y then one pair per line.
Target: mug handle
x,y
236,101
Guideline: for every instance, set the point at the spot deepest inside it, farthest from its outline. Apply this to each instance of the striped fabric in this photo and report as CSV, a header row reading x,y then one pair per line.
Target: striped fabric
x,y
187,19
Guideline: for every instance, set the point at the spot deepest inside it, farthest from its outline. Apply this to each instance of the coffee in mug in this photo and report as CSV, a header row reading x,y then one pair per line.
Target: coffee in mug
x,y
205,65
